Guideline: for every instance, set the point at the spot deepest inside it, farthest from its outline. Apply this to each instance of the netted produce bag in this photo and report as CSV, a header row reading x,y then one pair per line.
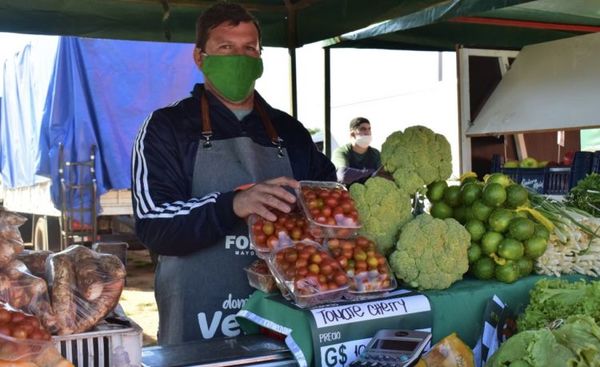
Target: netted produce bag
x,y
84,287
26,292
11,242
25,342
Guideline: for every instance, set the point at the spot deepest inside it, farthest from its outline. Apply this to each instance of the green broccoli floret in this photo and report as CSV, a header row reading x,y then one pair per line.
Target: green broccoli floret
x,y
416,157
431,253
383,209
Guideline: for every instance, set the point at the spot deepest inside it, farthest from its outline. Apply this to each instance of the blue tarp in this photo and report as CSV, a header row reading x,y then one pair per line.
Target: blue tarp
x,y
85,92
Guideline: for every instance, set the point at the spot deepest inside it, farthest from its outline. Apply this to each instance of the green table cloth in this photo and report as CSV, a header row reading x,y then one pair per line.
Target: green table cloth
x,y
459,309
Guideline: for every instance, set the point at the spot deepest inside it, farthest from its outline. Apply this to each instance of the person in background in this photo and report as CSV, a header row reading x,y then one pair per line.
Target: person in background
x,y
201,166
357,161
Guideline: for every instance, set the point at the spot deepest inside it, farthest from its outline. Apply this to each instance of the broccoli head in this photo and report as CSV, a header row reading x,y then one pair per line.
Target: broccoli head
x,y
431,253
416,157
382,208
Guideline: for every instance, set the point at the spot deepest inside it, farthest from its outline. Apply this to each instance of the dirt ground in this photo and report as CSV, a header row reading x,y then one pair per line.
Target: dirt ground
x,y
137,298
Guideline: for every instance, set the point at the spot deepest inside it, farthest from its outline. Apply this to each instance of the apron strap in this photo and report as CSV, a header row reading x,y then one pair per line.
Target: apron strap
x,y
264,116
206,125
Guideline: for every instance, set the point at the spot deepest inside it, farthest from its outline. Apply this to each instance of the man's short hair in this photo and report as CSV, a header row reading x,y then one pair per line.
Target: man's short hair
x,y
357,121
222,12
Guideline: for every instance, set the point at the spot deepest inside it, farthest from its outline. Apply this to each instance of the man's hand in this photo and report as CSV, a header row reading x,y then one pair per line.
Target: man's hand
x,y
264,196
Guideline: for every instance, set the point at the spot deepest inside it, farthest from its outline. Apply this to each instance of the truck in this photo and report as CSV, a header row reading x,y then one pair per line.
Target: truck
x,y
69,114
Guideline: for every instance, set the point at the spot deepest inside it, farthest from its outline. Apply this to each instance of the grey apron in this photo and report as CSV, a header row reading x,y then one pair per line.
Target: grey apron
x,y
198,295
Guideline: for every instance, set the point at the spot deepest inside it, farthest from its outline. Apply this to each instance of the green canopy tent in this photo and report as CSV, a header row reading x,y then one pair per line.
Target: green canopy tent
x,y
479,24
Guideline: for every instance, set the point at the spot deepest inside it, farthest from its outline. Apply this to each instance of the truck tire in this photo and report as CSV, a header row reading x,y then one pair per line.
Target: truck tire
x,y
46,235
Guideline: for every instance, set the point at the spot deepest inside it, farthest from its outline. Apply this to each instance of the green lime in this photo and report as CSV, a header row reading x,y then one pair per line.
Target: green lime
x,y
507,273
435,190
474,252
470,192
468,180
499,178
452,196
490,242
521,228
511,249
493,194
440,210
516,195
460,214
481,211
484,268
525,266
476,228
541,231
500,219
535,247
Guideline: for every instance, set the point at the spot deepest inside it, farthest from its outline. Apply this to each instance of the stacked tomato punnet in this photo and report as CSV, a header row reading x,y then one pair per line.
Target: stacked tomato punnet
x,y
267,236
367,269
329,209
260,277
311,274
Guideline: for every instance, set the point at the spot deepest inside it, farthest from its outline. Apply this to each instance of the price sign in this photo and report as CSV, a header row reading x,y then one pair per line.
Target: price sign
x,y
340,333
342,354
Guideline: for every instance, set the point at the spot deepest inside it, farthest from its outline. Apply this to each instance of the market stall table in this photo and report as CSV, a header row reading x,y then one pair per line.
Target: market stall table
x,y
459,309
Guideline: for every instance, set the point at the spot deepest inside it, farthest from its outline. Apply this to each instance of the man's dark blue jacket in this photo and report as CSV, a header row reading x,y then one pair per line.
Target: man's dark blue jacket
x,y
169,221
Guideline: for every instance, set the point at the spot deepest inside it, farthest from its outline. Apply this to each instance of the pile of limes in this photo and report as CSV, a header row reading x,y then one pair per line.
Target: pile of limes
x,y
504,241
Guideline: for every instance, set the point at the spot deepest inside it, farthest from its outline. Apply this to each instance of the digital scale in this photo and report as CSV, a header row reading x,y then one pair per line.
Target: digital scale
x,y
393,347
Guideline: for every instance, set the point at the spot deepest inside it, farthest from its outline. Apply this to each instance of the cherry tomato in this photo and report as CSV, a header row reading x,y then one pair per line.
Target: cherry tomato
x,y
331,202
268,228
291,256
260,239
340,278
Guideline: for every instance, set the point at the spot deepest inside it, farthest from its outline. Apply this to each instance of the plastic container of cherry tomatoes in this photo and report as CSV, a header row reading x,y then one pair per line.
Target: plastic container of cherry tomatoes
x,y
310,274
329,209
368,270
266,236
260,277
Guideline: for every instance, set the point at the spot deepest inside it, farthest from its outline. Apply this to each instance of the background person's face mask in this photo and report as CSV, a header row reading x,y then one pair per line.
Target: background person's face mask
x,y
233,76
363,141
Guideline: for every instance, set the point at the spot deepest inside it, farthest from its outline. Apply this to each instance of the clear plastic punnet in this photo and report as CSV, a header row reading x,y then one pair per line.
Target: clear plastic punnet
x,y
260,277
310,274
329,209
368,270
266,236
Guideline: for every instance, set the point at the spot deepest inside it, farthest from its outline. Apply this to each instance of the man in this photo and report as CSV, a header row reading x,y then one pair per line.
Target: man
x,y
357,161
201,166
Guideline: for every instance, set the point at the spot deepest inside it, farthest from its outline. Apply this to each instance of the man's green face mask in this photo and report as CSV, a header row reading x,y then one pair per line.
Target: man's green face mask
x,y
233,76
